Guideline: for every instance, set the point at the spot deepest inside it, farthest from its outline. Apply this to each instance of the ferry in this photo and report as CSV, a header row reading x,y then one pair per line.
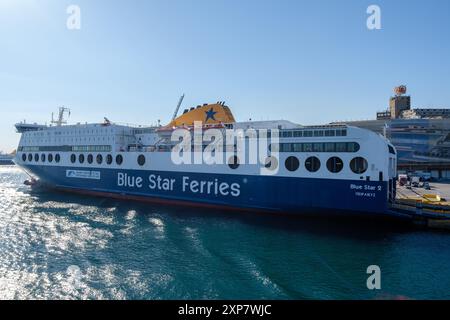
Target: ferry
x,y
308,169
6,159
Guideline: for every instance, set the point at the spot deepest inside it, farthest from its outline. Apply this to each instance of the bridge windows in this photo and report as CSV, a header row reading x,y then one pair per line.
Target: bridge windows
x,y
359,165
57,158
36,157
119,159
73,158
99,159
141,160
312,164
50,158
43,157
292,163
335,164
81,158
24,157
90,158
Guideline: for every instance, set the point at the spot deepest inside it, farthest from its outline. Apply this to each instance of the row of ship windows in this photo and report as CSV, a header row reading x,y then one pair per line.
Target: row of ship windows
x,y
313,133
66,140
81,158
358,165
71,132
318,147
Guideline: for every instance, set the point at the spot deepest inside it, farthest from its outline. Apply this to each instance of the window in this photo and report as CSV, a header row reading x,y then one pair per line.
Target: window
x,y
352,147
81,158
141,160
341,147
73,158
335,164
24,157
30,157
50,158
233,162
271,163
391,149
286,147
297,147
298,134
90,158
57,158
99,159
307,147
312,164
119,159
318,133
359,165
330,147
318,147
36,157
109,159
42,157
292,163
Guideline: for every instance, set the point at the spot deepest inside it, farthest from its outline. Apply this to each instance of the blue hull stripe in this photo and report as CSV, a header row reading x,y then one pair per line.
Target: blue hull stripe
x,y
268,193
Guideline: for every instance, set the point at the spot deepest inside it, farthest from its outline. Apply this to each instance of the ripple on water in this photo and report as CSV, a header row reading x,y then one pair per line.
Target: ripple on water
x,y
60,246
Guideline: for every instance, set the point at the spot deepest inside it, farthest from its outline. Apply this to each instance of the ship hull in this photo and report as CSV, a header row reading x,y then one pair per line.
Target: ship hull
x,y
246,192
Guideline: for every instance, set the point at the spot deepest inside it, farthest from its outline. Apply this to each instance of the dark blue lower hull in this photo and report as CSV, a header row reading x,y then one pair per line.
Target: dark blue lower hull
x,y
265,193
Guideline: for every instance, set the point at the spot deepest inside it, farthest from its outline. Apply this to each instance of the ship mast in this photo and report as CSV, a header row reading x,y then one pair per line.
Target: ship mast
x,y
60,121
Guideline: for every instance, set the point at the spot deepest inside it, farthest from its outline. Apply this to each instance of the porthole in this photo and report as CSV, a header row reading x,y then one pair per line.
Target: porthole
x,y
359,165
50,158
73,158
141,160
292,163
42,157
99,159
57,158
335,164
109,159
233,162
312,164
24,157
90,158
119,159
30,157
81,158
271,163
36,157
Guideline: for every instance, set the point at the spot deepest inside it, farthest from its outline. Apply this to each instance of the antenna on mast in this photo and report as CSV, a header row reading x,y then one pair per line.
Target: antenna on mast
x,y
178,107
60,121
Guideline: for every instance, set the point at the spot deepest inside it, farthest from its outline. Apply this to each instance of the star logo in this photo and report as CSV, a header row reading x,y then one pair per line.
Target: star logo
x,y
210,115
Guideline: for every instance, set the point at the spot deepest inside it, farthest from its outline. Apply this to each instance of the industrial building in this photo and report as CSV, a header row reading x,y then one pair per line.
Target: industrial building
x,y
421,135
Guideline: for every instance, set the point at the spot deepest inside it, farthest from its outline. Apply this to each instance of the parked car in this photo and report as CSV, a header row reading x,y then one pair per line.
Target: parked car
x,y
426,185
415,181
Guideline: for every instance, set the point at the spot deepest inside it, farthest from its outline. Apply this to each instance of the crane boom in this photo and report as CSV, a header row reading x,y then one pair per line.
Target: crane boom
x,y
178,107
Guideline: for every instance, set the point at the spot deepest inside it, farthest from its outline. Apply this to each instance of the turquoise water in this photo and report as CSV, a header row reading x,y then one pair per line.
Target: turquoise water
x,y
62,246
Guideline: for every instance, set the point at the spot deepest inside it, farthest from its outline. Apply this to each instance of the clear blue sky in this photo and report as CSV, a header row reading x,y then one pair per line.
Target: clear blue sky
x,y
311,62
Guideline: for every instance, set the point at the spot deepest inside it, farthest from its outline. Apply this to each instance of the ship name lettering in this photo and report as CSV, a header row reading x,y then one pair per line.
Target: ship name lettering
x,y
125,180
